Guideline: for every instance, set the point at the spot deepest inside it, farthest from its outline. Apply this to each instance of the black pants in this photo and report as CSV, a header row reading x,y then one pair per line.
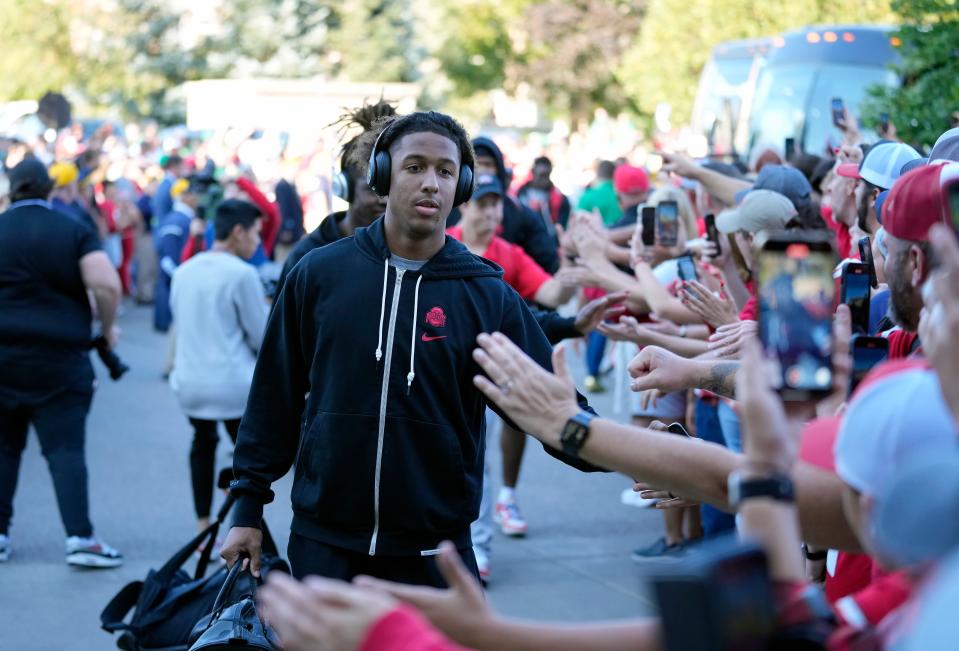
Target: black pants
x,y
311,557
60,422
203,460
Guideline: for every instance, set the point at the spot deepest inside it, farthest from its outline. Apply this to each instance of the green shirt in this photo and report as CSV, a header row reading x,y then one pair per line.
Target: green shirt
x,y
602,196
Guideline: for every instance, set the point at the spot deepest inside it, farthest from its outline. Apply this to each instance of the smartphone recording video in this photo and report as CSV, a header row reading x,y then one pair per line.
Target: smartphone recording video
x,y
867,352
667,223
838,112
712,233
686,268
854,291
865,254
789,148
649,225
796,293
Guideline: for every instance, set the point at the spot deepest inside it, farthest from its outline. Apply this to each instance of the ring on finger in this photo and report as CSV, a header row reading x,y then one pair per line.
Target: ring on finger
x,y
506,388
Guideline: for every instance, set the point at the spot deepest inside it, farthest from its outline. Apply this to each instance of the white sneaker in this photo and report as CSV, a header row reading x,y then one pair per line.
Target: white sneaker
x,y
507,515
629,497
482,563
4,548
92,552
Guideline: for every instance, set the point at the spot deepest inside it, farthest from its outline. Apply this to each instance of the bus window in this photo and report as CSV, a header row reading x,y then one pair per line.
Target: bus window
x,y
845,81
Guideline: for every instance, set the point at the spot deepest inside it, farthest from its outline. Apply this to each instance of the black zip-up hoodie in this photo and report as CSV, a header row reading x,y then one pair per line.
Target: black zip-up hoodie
x,y
390,459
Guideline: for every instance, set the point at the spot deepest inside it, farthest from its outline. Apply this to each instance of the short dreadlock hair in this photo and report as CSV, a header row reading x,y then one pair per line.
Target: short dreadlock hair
x,y
396,127
364,117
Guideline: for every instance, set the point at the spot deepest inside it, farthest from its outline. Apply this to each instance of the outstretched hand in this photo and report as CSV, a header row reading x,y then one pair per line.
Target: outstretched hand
x,y
320,614
599,310
460,612
715,310
770,438
538,401
657,368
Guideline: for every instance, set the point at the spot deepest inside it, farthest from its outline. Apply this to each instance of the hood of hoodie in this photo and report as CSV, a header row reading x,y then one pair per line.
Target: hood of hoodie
x,y
452,261
486,143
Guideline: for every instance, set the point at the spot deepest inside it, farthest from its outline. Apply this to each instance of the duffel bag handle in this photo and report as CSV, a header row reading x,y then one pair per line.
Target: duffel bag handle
x,y
111,619
227,588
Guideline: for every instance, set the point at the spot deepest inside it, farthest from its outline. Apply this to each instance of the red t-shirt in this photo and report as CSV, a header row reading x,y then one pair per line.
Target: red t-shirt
x,y
901,343
519,270
403,629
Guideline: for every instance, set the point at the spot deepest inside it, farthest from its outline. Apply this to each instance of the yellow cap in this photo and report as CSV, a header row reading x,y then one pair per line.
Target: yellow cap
x,y
179,187
63,174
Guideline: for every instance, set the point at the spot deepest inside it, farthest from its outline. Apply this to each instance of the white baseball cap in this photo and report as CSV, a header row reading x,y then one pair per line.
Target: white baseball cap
x,y
882,165
894,419
760,210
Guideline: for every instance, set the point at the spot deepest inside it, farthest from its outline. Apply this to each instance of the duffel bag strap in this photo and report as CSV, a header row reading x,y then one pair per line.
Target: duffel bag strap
x,y
111,619
165,573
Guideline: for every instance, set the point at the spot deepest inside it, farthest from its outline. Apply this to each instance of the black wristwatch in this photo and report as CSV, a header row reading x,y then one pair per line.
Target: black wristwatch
x,y
775,486
575,433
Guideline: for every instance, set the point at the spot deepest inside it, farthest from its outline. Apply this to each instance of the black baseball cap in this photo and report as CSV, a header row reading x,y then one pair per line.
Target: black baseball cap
x,y
30,177
487,184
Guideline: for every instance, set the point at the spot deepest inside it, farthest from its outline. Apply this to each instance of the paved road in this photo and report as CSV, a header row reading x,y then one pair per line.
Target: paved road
x,y
574,565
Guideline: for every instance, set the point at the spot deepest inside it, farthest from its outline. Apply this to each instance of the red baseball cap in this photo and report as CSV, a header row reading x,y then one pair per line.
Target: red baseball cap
x,y
630,180
914,204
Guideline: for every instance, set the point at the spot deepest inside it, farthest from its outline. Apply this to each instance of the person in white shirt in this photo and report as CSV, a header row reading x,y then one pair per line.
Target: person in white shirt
x,y
220,308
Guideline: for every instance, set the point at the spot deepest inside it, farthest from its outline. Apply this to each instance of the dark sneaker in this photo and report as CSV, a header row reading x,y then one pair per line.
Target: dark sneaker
x,y
91,552
593,385
658,549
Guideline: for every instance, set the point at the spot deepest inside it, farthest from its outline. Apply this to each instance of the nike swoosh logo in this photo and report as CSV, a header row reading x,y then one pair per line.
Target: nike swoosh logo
x,y
427,338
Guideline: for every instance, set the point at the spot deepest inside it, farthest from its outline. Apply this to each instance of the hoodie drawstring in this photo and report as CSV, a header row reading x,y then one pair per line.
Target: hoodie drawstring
x,y
379,338
416,303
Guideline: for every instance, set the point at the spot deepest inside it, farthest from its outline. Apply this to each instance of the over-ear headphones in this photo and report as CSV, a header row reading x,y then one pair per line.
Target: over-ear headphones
x,y
378,172
343,185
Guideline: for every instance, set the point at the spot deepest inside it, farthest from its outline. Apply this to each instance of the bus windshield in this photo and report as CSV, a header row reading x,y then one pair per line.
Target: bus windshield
x,y
794,99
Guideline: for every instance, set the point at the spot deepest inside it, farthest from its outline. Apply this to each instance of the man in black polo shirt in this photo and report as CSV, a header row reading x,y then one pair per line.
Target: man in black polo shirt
x,y
48,264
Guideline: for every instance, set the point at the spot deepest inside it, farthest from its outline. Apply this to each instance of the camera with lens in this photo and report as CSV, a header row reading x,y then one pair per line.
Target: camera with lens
x,y
721,599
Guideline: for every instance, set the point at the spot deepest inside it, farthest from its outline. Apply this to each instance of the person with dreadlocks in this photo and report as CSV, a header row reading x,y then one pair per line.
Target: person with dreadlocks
x,y
350,185
364,383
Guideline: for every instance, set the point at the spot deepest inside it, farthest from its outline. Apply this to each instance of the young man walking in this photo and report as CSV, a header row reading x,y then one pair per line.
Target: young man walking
x,y
220,309
364,381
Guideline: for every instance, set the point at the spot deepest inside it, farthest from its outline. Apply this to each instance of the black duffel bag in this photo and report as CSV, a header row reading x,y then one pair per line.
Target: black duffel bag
x,y
234,623
168,604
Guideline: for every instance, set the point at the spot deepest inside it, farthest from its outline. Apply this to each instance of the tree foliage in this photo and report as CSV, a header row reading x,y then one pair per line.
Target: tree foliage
x,y
677,37
921,107
566,51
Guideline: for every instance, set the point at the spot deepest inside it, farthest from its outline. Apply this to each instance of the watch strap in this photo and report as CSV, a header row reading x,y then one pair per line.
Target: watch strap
x,y
575,433
778,487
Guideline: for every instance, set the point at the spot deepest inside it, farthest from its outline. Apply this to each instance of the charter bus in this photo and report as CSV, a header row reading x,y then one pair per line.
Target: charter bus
x,y
725,86
803,71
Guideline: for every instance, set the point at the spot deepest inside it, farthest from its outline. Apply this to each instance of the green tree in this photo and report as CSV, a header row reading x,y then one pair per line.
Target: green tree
x,y
929,68
372,40
573,51
677,36
37,54
565,50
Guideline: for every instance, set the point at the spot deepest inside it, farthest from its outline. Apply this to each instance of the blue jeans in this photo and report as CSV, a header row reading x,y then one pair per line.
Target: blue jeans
x,y
729,422
595,348
708,428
